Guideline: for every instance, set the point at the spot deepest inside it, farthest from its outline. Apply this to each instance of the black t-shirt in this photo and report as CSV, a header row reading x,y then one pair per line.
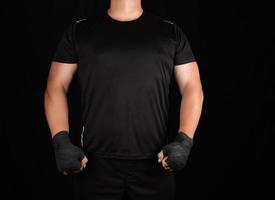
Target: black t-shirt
x,y
124,70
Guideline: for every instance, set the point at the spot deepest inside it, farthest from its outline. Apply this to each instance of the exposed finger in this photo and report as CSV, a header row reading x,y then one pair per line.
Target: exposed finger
x,y
160,156
164,164
167,167
65,173
170,170
84,161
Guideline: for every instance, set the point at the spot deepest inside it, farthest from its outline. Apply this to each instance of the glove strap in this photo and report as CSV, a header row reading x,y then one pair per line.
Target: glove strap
x,y
184,138
60,138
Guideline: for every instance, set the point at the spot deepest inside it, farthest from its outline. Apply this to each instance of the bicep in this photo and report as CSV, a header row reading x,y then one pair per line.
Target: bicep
x,y
187,76
61,74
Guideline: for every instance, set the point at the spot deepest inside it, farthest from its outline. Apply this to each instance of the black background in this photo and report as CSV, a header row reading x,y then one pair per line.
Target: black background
x,y
234,45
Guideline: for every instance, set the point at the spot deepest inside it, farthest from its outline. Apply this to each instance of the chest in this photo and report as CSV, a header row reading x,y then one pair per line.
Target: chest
x,y
131,44
141,57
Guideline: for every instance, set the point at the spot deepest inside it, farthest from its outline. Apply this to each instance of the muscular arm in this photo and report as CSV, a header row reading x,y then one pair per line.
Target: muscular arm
x,y
188,79
189,84
55,96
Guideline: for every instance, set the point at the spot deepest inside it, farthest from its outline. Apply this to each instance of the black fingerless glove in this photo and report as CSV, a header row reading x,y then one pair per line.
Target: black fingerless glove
x,y
178,151
68,156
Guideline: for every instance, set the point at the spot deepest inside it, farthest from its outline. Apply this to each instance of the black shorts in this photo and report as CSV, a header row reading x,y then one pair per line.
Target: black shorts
x,y
121,179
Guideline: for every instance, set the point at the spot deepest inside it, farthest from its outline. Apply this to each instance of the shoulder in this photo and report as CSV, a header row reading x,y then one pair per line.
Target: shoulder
x,y
160,20
83,22
165,23
75,24
166,26
175,29
169,22
83,25
80,20
91,21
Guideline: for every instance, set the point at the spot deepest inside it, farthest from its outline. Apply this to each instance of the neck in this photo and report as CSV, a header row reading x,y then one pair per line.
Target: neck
x,y
125,9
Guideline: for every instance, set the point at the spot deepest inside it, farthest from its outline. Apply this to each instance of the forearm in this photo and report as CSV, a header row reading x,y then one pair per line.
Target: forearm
x,y
56,109
177,151
190,110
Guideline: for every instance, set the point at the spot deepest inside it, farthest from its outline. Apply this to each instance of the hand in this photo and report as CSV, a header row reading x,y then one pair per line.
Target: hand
x,y
83,165
177,152
69,158
162,159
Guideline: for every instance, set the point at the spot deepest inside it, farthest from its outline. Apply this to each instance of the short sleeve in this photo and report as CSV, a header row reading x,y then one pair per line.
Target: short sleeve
x,y
183,52
66,50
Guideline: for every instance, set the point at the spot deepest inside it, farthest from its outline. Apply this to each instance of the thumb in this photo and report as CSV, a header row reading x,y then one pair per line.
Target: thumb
x,y
81,154
84,161
160,156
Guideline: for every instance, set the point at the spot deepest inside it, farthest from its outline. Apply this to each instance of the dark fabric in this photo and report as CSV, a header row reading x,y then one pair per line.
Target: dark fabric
x,y
117,179
68,156
66,51
178,151
124,70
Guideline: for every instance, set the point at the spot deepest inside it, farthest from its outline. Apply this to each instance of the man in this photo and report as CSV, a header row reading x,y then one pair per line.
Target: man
x,y
124,60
